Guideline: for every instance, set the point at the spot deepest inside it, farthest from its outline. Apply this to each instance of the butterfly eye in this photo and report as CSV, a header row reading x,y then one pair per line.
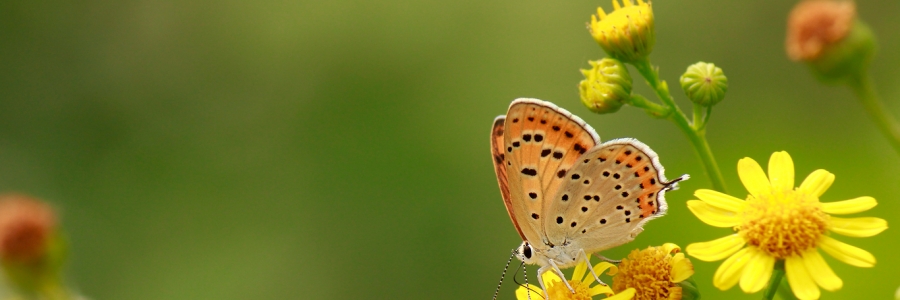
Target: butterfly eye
x,y
526,251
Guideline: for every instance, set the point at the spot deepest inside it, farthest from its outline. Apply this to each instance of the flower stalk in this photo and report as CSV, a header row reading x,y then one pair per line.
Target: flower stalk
x,y
864,89
696,133
775,281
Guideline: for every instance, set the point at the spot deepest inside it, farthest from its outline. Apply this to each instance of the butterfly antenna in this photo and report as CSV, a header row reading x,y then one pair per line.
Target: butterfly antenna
x,y
673,184
525,274
496,292
528,287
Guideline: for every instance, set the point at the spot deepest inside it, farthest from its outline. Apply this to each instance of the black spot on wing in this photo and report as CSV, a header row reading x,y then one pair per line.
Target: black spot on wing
x,y
545,152
529,172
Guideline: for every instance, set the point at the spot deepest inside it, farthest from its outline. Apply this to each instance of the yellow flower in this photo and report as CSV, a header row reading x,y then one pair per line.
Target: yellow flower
x,y
780,222
627,33
581,283
654,272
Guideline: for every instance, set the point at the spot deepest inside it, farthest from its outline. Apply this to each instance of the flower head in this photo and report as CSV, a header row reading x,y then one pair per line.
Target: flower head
x,y
827,35
704,83
581,282
654,272
627,33
813,25
26,226
778,222
606,86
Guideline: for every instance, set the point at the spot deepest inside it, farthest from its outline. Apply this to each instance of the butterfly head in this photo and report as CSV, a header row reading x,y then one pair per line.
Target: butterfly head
x,y
525,253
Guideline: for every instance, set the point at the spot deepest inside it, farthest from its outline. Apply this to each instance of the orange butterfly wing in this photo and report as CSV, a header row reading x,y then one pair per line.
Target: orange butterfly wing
x,y
540,143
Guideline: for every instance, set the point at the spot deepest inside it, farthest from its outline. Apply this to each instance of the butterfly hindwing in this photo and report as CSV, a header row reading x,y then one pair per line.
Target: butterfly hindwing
x,y
541,143
619,187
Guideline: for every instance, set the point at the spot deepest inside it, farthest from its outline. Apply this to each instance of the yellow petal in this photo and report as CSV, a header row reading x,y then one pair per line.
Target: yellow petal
x,y
550,277
681,268
757,272
728,274
579,272
820,271
801,282
817,182
624,295
670,248
716,249
781,171
600,289
523,291
720,200
858,227
602,266
851,206
753,177
848,254
713,216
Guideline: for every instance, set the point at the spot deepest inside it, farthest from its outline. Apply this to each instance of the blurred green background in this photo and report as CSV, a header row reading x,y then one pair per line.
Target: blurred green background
x,y
339,149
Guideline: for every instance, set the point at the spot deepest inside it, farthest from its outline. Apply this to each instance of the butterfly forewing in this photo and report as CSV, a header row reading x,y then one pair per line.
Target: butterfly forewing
x,y
541,142
619,187
500,164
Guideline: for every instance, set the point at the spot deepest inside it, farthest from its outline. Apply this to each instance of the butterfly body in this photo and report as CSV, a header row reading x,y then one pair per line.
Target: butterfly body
x,y
567,194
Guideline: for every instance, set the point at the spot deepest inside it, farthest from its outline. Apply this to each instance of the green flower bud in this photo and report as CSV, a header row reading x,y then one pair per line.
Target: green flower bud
x,y
627,33
704,83
606,86
827,36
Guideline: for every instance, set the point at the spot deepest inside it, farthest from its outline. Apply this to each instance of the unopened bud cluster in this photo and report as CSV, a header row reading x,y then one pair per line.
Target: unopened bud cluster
x,y
606,86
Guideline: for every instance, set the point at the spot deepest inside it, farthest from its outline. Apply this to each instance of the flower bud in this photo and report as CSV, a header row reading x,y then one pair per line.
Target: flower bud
x,y
704,83
606,86
25,227
31,250
827,36
626,34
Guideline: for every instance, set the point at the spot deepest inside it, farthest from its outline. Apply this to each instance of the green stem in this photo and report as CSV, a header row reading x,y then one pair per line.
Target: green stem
x,y
655,110
864,89
698,117
785,291
774,281
697,138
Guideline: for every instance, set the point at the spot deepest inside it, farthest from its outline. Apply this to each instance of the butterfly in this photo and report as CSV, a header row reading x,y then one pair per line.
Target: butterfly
x,y
567,194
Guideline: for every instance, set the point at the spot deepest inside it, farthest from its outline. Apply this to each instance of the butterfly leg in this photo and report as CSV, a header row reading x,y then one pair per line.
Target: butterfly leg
x,y
606,259
561,275
540,276
552,268
587,261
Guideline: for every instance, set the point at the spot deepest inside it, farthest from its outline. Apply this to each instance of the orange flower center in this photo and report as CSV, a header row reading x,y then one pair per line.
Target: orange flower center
x,y
783,223
648,271
559,290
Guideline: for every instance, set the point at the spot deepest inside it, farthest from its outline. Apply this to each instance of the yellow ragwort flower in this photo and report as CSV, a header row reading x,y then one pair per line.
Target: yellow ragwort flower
x,y
581,282
627,33
654,272
780,222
